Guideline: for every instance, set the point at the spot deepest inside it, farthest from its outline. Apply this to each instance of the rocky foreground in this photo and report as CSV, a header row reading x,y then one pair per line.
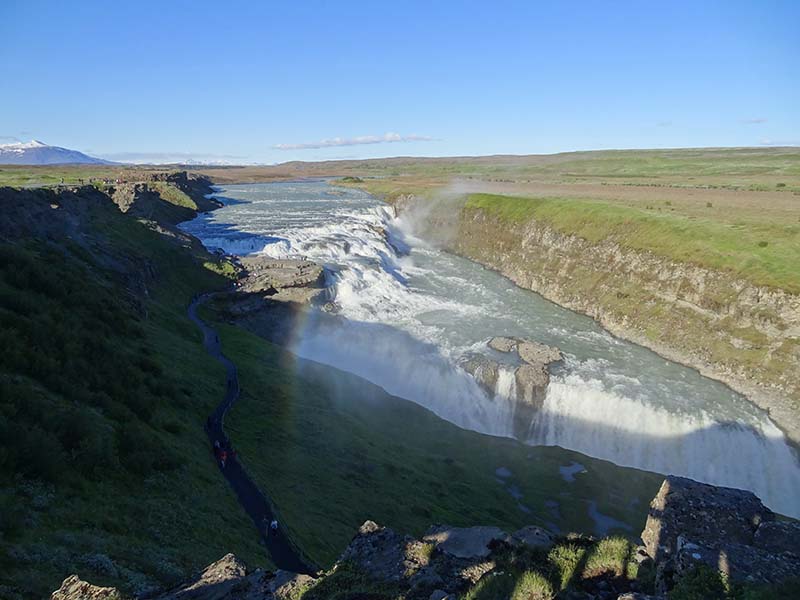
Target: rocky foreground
x,y
699,539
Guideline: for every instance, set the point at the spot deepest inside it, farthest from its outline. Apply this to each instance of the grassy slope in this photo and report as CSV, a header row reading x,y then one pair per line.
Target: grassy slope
x,y
172,194
766,254
333,451
157,525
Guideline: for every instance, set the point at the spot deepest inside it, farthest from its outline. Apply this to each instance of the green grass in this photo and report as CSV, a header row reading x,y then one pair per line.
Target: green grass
x,y
333,450
102,452
46,175
566,560
684,163
53,175
532,585
612,556
172,194
751,169
569,566
348,582
492,587
736,248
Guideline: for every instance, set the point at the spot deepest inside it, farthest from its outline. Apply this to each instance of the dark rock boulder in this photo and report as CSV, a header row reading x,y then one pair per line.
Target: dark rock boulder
x,y
533,536
465,542
74,588
446,559
778,536
728,530
379,551
284,585
217,580
702,513
739,562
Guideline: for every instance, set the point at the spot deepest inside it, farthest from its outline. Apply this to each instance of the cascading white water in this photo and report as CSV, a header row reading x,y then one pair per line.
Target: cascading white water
x,y
506,383
584,416
409,317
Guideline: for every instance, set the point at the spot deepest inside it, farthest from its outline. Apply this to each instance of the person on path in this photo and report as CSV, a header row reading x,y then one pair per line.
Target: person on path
x,y
273,526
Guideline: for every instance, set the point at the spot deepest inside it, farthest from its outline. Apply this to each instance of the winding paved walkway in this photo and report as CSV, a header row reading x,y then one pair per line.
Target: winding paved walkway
x,y
283,553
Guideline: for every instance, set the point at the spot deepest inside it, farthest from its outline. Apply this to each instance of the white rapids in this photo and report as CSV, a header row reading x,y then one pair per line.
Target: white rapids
x,y
411,311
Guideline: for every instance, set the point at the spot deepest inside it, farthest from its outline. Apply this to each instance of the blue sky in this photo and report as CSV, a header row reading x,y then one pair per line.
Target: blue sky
x,y
269,81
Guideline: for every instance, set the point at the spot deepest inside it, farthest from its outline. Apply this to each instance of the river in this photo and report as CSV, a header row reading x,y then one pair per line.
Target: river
x,y
412,312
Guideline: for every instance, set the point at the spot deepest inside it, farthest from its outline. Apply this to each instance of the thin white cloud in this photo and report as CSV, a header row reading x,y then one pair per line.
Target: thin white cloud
x,y
336,142
9,139
755,121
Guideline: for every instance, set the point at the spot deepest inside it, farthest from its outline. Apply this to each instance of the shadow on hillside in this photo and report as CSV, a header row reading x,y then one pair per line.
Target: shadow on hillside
x,y
726,453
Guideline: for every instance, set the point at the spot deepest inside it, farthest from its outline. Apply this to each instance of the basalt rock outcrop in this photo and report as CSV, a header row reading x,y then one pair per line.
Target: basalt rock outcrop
x,y
271,295
724,529
691,525
281,280
74,588
145,198
529,361
485,370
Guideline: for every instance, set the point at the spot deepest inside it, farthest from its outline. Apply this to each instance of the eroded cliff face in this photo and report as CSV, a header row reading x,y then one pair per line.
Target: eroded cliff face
x,y
743,335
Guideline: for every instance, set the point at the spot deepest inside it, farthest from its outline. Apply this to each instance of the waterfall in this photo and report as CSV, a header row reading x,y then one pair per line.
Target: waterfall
x,y
506,384
408,313
581,415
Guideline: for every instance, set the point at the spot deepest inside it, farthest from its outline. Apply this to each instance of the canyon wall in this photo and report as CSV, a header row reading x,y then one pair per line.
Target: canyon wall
x,y
741,334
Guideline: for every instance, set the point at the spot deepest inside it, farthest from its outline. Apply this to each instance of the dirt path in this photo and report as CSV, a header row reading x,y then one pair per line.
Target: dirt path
x,y
282,551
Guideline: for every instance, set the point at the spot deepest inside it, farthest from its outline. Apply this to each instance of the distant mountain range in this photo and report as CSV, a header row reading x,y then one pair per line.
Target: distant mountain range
x,y
38,153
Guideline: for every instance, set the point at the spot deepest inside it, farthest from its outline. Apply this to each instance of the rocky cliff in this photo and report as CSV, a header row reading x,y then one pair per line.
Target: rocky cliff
x,y
743,335
700,541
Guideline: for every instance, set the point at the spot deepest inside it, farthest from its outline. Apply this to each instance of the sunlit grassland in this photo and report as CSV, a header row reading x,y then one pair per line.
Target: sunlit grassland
x,y
758,169
764,253
47,175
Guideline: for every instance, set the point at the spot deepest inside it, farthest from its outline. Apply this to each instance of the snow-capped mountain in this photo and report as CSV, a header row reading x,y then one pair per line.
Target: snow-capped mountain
x,y
38,153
